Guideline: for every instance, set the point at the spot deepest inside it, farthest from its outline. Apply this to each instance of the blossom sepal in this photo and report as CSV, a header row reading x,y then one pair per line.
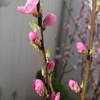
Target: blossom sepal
x,y
35,46
44,94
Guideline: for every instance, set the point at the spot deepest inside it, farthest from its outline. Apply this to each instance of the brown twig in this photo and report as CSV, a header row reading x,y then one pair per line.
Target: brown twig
x,y
89,59
42,52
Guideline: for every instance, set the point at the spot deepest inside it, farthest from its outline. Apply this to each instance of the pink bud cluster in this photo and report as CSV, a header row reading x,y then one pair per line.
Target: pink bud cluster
x,y
31,8
38,86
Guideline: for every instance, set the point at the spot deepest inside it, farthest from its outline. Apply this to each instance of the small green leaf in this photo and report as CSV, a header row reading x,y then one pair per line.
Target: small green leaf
x,y
34,26
81,85
98,2
41,6
43,72
34,45
92,51
47,53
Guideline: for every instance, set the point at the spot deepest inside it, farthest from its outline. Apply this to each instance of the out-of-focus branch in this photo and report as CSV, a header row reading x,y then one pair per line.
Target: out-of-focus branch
x,y
89,59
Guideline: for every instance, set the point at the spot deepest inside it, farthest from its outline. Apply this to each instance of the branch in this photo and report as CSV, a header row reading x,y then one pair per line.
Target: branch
x,y
89,59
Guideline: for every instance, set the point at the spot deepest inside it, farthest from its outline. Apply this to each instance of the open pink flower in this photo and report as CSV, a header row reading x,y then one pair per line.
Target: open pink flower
x,y
33,36
55,96
51,66
38,86
80,47
29,7
49,20
73,85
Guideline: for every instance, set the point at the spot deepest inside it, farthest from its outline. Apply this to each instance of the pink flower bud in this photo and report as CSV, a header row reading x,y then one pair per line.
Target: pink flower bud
x,y
55,96
66,25
51,66
33,36
74,86
38,86
79,61
80,47
58,56
29,7
49,20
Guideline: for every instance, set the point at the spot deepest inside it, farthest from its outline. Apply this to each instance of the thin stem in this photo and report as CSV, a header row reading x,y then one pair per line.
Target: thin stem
x,y
50,84
89,59
43,57
42,52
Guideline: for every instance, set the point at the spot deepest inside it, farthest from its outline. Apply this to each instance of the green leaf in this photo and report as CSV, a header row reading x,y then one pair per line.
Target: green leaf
x,y
47,53
34,45
34,26
41,6
92,51
98,2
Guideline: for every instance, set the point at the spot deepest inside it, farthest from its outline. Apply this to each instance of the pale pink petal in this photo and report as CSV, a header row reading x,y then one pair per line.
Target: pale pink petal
x,y
29,7
21,9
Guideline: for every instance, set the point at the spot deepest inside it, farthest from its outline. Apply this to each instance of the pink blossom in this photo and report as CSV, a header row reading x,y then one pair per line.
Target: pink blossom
x,y
67,53
33,36
63,45
79,61
38,86
55,36
80,47
66,48
49,20
57,48
74,67
70,34
76,37
63,60
78,18
95,54
58,56
29,7
73,85
51,66
55,96
65,25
